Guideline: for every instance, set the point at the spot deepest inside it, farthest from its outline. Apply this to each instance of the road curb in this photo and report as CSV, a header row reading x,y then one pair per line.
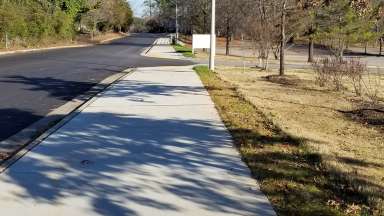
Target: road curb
x,y
147,50
21,143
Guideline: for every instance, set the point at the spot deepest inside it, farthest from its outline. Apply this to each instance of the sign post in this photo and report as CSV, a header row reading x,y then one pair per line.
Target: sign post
x,y
213,37
177,22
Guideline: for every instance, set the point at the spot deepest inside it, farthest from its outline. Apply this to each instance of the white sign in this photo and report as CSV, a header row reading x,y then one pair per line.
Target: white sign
x,y
201,41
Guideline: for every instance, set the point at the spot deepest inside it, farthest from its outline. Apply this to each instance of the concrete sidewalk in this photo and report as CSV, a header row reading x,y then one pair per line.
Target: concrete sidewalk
x,y
152,144
163,49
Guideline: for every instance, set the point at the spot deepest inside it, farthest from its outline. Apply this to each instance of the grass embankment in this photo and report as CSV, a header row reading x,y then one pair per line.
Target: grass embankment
x,y
289,171
187,52
78,40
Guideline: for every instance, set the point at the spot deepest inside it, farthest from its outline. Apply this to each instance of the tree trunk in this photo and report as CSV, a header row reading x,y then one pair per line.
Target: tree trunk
x,y
6,40
282,42
381,46
205,23
341,54
365,48
310,49
227,47
276,52
228,37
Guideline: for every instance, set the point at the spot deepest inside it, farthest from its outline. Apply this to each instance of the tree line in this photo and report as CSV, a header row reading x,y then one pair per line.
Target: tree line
x,y
31,21
271,24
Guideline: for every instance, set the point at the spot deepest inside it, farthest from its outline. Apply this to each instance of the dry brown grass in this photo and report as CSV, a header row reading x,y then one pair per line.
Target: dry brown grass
x,y
100,37
287,172
54,42
351,149
200,54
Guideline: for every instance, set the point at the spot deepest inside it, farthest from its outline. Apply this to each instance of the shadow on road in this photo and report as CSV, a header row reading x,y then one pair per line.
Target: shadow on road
x,y
13,120
62,89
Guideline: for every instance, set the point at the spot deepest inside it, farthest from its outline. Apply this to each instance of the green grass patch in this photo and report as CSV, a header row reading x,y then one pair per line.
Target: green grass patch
x,y
289,175
187,52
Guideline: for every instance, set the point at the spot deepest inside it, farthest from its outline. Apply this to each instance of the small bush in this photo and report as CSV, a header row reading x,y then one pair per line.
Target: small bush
x,y
333,72
329,71
372,86
355,70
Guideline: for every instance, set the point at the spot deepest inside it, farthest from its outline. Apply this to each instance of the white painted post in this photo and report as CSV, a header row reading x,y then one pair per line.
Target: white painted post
x,y
6,40
213,37
177,22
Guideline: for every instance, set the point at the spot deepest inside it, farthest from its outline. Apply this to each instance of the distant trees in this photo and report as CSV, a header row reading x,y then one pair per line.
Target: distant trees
x,y
271,24
261,27
343,22
30,21
162,15
194,16
229,19
379,23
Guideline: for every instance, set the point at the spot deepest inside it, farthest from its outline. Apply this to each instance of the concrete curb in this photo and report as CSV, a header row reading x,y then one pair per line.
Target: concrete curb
x,y
147,50
21,143
60,47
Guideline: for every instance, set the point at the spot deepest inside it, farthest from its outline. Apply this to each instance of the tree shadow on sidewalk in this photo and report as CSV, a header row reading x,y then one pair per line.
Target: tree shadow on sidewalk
x,y
189,159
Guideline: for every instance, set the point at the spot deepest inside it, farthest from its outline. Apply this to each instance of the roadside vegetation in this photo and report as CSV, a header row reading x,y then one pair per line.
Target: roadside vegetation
x,y
32,23
187,52
271,27
312,149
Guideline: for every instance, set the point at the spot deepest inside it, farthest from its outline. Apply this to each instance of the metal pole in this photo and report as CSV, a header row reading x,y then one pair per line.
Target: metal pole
x,y
177,22
150,8
213,37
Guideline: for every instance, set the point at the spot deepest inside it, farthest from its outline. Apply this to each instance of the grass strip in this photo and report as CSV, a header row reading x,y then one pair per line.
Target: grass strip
x,y
289,174
187,52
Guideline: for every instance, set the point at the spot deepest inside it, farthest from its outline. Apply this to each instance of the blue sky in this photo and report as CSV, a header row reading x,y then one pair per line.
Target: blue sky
x,y
137,6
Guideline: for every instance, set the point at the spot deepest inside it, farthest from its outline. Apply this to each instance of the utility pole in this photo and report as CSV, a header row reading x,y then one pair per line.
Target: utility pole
x,y
150,8
213,37
177,22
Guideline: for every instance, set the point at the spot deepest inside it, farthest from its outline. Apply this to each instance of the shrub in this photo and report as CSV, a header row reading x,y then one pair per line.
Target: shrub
x,y
372,87
321,74
334,71
330,71
355,70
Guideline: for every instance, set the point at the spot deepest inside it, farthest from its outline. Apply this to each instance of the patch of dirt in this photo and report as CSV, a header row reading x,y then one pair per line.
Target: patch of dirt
x,y
284,80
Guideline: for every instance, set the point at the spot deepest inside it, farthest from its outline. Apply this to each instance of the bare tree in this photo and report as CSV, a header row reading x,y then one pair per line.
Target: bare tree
x,y
229,18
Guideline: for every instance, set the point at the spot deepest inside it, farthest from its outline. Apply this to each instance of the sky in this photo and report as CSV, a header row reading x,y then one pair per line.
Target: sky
x,y
137,6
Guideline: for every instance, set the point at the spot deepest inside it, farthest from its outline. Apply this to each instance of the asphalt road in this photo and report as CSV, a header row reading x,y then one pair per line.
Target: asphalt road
x,y
34,84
